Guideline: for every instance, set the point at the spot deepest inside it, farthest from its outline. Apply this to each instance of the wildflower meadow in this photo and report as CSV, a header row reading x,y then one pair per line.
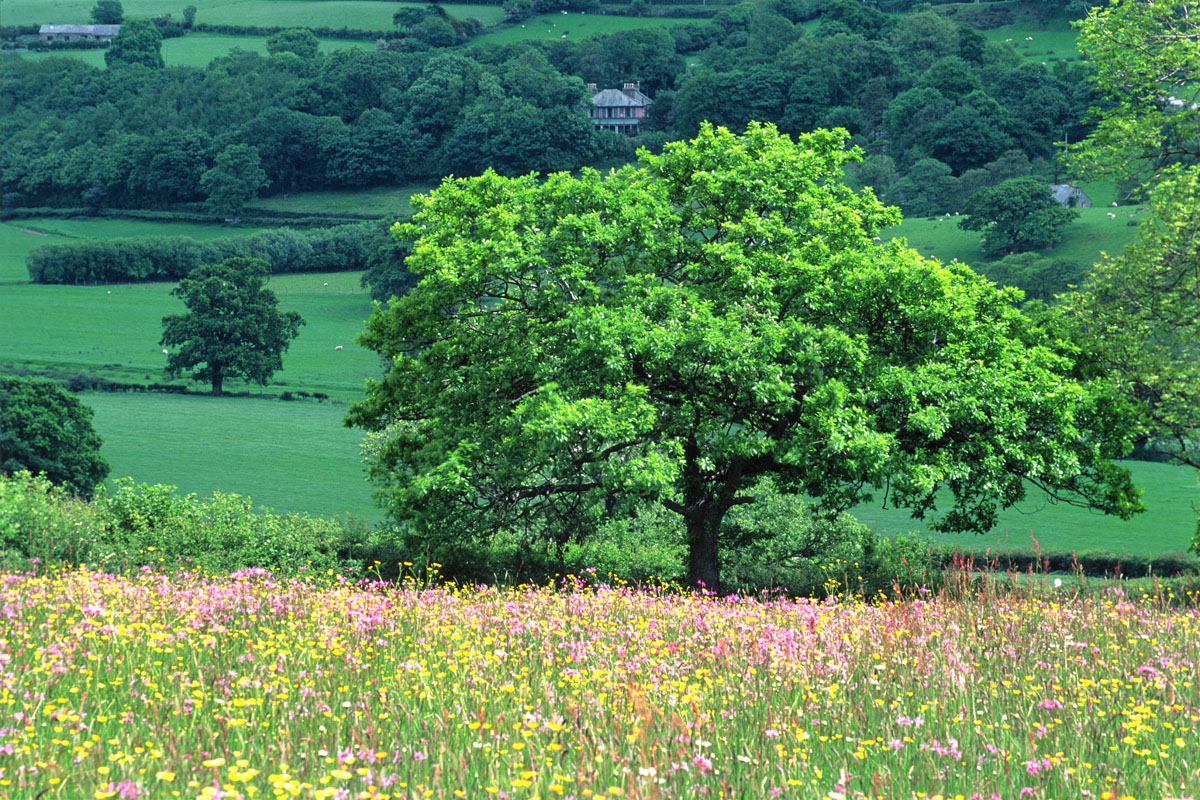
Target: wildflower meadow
x,y
249,685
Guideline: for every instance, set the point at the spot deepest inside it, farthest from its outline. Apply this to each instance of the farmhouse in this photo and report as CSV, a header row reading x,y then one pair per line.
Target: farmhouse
x,y
618,110
1070,196
74,33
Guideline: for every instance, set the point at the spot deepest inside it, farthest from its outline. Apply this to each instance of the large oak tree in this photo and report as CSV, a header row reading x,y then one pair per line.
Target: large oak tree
x,y
677,331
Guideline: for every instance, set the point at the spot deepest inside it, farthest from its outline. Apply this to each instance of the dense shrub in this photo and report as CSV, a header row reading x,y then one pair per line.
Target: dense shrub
x,y
41,523
157,258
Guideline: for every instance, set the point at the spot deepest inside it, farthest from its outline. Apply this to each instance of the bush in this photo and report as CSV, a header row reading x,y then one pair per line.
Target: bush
x,y
41,523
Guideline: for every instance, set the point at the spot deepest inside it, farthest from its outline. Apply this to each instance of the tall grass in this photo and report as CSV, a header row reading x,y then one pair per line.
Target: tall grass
x,y
249,685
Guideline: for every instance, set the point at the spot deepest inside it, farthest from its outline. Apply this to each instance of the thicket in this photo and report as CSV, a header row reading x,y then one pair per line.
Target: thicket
x,y
162,258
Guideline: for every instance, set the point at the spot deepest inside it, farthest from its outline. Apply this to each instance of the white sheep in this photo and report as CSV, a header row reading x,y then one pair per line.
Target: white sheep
x,y
1111,215
1114,205
326,283
1029,38
339,347
165,353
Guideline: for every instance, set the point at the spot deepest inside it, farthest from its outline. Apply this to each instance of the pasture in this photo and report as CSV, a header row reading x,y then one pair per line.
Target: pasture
x,y
1040,43
18,237
252,686
113,332
290,457
361,14
571,25
379,200
1092,233
197,49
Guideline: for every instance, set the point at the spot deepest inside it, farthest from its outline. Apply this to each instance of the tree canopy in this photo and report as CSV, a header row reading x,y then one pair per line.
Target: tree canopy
x,y
47,430
233,328
676,332
108,12
138,42
1016,215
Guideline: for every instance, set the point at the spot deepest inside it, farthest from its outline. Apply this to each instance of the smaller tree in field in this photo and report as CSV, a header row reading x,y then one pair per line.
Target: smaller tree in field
x,y
1016,215
300,41
234,179
108,12
46,430
189,16
233,328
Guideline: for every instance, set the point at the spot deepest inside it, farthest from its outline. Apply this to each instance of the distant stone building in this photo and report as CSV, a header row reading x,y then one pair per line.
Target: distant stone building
x,y
1070,196
74,33
619,110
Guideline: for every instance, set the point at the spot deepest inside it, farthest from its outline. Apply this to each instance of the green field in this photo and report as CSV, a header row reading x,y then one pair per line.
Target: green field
x,y
1086,238
1166,527
286,456
113,332
362,14
381,200
572,25
1050,43
198,49
18,237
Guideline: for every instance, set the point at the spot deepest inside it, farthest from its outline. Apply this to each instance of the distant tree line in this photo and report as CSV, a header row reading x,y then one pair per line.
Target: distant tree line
x,y
939,111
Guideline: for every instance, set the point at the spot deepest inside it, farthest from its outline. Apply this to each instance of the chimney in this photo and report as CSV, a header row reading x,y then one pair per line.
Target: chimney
x,y
592,88
631,88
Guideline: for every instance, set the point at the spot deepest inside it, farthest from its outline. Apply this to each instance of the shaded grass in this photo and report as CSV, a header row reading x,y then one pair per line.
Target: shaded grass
x,y
381,200
292,457
18,237
572,25
1166,527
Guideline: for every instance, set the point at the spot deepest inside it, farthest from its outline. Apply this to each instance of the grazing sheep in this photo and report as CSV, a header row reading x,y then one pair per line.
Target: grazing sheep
x,y
326,283
339,347
1111,215
876,239
1114,205
165,353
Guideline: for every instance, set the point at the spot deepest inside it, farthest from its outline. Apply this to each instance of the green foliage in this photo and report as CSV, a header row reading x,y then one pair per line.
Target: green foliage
x,y
108,12
1145,60
233,327
1016,215
41,522
580,347
300,41
189,16
138,42
46,430
1039,277
234,180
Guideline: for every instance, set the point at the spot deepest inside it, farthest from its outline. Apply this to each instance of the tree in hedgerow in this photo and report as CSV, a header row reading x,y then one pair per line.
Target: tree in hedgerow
x,y
673,334
233,328
300,41
189,16
47,430
234,180
138,42
108,12
1016,215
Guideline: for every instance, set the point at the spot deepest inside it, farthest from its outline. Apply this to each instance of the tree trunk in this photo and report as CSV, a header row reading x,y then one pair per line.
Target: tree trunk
x,y
217,380
704,562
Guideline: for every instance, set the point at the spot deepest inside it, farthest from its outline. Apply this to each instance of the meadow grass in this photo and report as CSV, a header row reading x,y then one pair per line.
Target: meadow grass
x,y
182,685
1054,41
360,14
113,332
380,200
572,25
197,49
290,457
18,237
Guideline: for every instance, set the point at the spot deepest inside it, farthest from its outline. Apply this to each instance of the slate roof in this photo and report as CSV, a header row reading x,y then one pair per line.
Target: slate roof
x,y
1063,192
615,98
80,30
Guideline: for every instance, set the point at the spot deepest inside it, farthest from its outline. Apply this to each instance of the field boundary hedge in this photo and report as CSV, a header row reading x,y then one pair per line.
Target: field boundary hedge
x,y
1092,563
264,216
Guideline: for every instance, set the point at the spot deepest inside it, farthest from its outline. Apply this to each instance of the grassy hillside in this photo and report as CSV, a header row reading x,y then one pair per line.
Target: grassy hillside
x,y
18,237
1094,232
287,456
1048,43
572,25
362,14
